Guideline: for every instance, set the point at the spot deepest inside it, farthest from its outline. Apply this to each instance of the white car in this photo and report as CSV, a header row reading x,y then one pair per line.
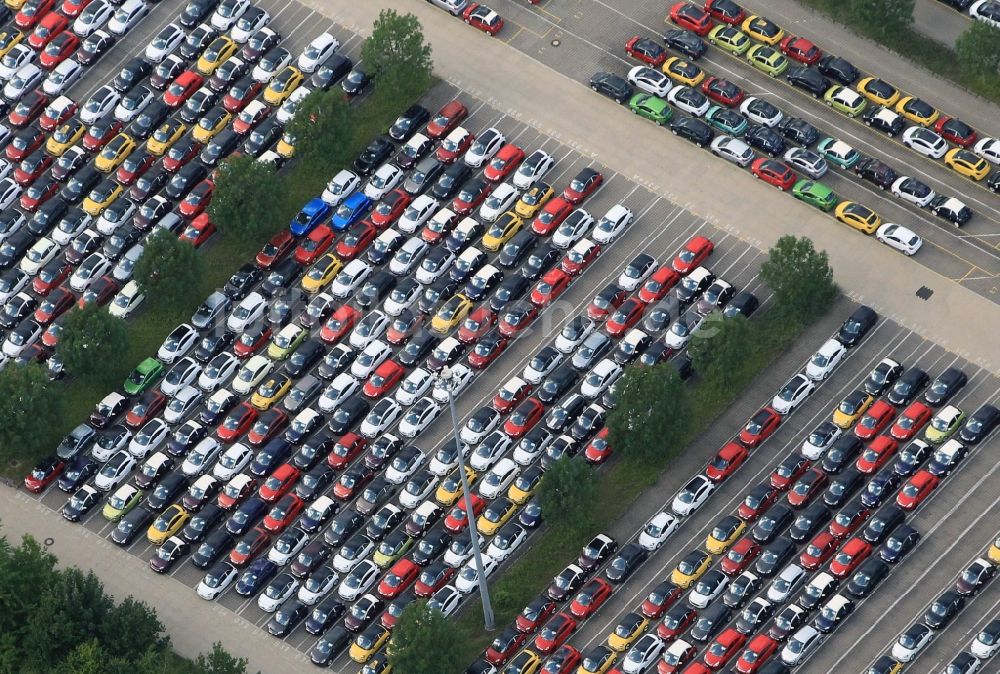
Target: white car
x,y
10,191
792,394
287,110
19,55
533,169
250,22
925,141
637,271
340,187
129,14
166,41
117,438
657,530
682,330
786,584
415,384
900,238
94,16
252,373
376,353
574,333
912,190
228,13
612,224
506,542
419,417
356,549
692,496
707,588
689,100
408,256
732,149
445,600
647,650
542,364
340,389
93,267
319,584
289,544
277,591
381,417
115,471
350,278
461,377
218,371
824,362
990,149
800,645
100,104
63,76
467,579
650,80
501,199
216,581
819,440
418,489
383,181
368,329
761,112
496,445
177,344
149,438
812,164
487,144
911,642
198,459
483,422
232,462
417,213
250,310
317,51
572,229
604,374
24,80
498,479
23,336
987,11
361,578
39,255
178,384
133,102
435,264
987,642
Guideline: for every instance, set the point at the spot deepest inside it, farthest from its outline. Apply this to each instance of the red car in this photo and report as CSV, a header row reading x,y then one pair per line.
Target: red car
x,y
580,257
850,557
911,421
677,660
29,170
956,131
692,254
517,318
760,650
252,340
820,549
512,394
645,50
72,8
487,349
100,133
347,448
51,276
550,287
283,513
198,231
339,324
446,119
774,172
237,422
807,487
454,146
55,305
472,194
182,88
801,50
722,91
875,420
145,408
31,105
24,143
756,503
269,425
314,245
876,454
32,11
661,598
38,193
759,428
692,18
566,658
402,574
534,614
789,470
240,94
355,240
133,167
100,292
275,249
658,285
551,216
352,481
229,498
383,379
251,545
724,648
180,153
483,18
503,647
403,327
598,449
606,301
849,519
625,317
456,519
51,25
432,579
438,228
726,461
524,418
725,11
43,474
554,633
52,118
916,489
504,163
476,324
197,199
249,118
590,598
676,622
390,208
279,483
583,185
739,557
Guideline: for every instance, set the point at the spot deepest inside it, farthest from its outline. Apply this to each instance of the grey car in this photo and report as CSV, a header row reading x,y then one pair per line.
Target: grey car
x,y
214,306
592,350
807,161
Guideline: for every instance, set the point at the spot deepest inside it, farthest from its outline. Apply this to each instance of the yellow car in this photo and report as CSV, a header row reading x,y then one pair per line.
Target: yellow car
x,y
627,631
859,217
165,136
216,54
209,126
365,644
525,485
9,39
65,137
286,341
495,516
851,408
917,111
967,163
683,71
994,552
597,660
532,201
451,313
271,391
102,196
169,522
690,569
878,91
286,146
762,29
725,534
501,231
282,86
321,273
114,153
450,489
525,662
379,664
15,4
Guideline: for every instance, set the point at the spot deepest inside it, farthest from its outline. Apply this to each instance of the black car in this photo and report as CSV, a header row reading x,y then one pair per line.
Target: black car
x,y
383,521
993,181
438,292
272,455
540,261
975,577
899,543
148,184
169,490
80,184
882,377
611,85
261,138
956,213
94,47
336,361
911,457
342,527
843,452
881,487
240,283
451,180
883,523
214,343
757,612
304,357
280,277
132,73
596,551
217,544
943,610
877,172
772,523
246,515
185,180
765,139
711,621
944,388
980,424
219,147
320,476
774,557
857,325
287,617
196,11
557,384
515,251
798,131
134,523
376,494
259,44
354,82
330,645
743,587
788,620
150,119
203,522
334,69
375,289
407,123
868,576
808,79
884,120
625,563
76,472
686,43
692,129
843,486
510,290
431,546
839,69
907,387
423,175
47,216
419,346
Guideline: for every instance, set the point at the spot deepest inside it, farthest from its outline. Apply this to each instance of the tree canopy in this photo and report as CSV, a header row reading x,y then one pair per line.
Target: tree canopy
x,y
720,350
91,339
248,201
397,55
423,642
28,402
168,271
800,277
978,49
651,418
884,18
566,492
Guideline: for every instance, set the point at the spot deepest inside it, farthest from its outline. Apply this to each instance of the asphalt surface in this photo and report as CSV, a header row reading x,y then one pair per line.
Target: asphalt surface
x,y
937,20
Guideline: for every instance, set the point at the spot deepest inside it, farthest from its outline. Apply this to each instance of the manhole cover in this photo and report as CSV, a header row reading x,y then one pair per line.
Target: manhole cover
x,y
556,43
48,542
924,293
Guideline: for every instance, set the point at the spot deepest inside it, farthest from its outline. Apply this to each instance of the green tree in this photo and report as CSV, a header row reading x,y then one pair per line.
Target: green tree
x,y
800,277
397,55
23,570
130,629
321,123
567,492
91,339
90,657
423,642
27,396
720,352
168,271
650,421
884,18
978,50
218,661
248,201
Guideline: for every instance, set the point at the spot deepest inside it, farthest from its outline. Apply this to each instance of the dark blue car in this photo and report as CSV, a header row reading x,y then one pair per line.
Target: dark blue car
x,y
350,211
311,215
274,453
246,515
257,575
77,473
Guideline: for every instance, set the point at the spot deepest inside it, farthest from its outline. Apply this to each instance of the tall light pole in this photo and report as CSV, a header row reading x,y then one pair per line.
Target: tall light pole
x,y
446,383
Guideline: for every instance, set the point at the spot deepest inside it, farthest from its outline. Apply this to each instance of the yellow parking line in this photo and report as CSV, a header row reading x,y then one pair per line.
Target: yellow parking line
x,y
510,39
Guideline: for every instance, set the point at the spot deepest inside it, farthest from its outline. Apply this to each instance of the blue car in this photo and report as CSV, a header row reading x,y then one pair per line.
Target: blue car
x,y
245,517
259,574
274,453
351,210
311,215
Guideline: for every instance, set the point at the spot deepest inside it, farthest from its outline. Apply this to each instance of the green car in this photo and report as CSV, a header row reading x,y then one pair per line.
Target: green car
x,y
944,424
845,100
726,120
652,108
815,194
391,549
143,376
121,502
730,38
838,152
767,60
286,341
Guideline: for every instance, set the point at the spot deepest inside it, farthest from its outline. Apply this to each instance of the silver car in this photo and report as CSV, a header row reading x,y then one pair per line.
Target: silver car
x,y
807,161
733,149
